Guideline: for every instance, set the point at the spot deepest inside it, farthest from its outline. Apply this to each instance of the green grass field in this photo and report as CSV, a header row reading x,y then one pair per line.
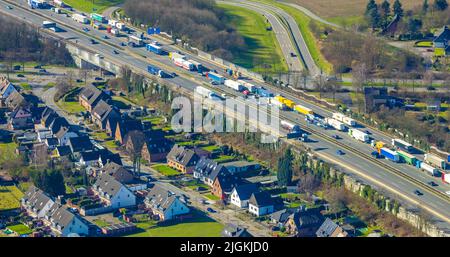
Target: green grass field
x,y
70,107
9,197
7,152
212,197
89,5
165,170
303,24
198,226
224,158
211,148
263,47
20,229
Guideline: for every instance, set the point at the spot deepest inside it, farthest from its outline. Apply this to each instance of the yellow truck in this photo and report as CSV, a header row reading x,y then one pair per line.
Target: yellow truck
x,y
289,103
303,110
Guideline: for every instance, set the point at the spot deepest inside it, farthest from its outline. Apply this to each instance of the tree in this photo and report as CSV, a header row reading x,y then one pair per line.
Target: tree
x,y
425,6
385,8
374,18
440,5
371,5
284,174
49,181
398,9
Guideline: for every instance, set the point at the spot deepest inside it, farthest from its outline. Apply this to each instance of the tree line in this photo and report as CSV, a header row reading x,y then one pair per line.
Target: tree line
x,y
198,22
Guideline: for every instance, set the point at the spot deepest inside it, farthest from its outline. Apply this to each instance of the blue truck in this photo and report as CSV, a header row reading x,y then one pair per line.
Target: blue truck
x,y
155,48
157,71
262,92
389,154
216,77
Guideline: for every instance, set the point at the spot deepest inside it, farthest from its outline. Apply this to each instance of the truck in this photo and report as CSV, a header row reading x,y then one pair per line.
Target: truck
x,y
342,118
155,48
407,158
112,23
389,154
121,26
157,71
48,24
435,161
430,169
234,85
358,135
204,92
98,17
114,32
187,65
38,4
80,18
136,41
446,178
291,127
215,77
289,103
262,92
197,66
58,3
335,124
278,104
400,144
303,110
174,55
251,88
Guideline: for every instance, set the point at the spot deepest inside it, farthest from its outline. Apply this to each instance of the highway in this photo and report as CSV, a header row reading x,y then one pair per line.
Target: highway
x,y
353,163
282,34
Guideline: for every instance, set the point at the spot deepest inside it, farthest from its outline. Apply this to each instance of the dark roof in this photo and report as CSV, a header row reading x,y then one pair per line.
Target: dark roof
x,y
102,110
308,218
261,199
209,168
35,198
246,190
63,150
60,216
228,182
15,99
49,118
183,156
232,230
118,172
126,125
282,215
327,228
90,156
52,141
91,94
80,144
62,131
161,145
109,157
444,35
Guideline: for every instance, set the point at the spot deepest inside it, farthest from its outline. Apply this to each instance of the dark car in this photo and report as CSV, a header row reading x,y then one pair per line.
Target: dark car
x,y
115,52
336,137
432,183
293,55
20,75
98,78
417,192
339,152
211,210
93,41
368,132
9,7
105,37
85,29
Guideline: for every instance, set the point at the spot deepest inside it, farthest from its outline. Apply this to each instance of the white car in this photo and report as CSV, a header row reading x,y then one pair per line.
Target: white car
x,y
448,192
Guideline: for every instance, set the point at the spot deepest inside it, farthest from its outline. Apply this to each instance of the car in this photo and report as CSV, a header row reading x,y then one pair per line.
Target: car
x,y
20,75
368,132
375,154
38,67
417,192
105,37
98,78
123,44
293,55
43,71
9,7
93,41
85,29
214,83
339,152
211,210
115,52
432,183
447,192
336,136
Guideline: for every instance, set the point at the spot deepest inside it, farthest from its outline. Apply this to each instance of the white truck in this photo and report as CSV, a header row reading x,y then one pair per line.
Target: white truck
x,y
358,135
80,18
430,169
175,55
278,104
204,92
335,124
112,23
289,126
342,118
121,26
234,85
435,160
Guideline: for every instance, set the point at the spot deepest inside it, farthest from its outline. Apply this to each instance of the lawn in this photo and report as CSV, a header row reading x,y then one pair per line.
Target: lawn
x,y
211,148
303,24
212,197
7,152
155,120
100,136
70,107
224,158
9,197
20,229
101,223
198,226
89,5
262,45
165,170
25,86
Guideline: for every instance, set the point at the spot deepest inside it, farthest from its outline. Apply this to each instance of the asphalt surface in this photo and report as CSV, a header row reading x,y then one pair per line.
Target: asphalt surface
x,y
354,164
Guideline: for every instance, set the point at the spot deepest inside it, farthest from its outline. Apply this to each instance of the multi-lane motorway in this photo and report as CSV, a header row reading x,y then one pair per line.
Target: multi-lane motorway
x,y
353,163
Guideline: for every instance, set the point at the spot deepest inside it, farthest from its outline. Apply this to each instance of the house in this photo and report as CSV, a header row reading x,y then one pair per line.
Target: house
x,y
241,194
43,133
103,112
374,97
113,193
279,218
51,143
223,185
66,223
21,118
304,222
6,88
89,158
164,203
155,148
36,202
57,124
106,157
261,203
121,174
90,96
64,134
233,230
48,117
123,127
15,100
207,170
5,136
182,159
238,167
442,42
330,229
80,144
62,151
